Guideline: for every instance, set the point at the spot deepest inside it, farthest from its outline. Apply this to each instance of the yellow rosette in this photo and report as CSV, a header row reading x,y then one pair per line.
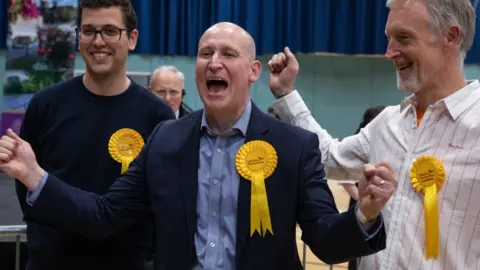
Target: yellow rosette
x,y
124,146
427,177
256,161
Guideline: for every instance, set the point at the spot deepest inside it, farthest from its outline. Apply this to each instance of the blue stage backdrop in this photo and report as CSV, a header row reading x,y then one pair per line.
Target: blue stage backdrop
x,y
173,27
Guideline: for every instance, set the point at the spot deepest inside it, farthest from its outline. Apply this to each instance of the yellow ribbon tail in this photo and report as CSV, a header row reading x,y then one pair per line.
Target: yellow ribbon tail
x,y
260,215
125,163
254,211
431,222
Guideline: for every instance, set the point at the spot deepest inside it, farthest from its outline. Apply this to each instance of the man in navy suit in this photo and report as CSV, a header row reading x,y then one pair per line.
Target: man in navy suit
x,y
228,184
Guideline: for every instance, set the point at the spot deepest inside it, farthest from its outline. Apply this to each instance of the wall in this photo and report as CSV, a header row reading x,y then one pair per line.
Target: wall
x,y
337,89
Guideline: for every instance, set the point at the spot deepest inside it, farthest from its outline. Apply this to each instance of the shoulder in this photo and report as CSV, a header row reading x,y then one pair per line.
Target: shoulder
x,y
151,103
180,128
147,97
56,92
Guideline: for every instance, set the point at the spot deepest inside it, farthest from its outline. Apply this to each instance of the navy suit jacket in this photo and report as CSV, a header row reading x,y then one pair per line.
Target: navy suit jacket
x,y
164,177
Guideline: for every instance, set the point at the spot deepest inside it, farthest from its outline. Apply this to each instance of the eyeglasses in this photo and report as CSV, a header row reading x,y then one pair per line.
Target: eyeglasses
x,y
171,93
108,34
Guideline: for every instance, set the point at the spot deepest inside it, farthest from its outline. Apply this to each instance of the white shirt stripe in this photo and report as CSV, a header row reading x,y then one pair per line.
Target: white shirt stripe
x,y
449,130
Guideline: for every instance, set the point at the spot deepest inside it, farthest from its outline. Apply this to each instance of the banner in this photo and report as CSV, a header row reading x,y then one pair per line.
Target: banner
x,y
41,51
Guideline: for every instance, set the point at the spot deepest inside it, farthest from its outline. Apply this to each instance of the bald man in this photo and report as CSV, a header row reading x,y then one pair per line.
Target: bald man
x,y
168,83
236,197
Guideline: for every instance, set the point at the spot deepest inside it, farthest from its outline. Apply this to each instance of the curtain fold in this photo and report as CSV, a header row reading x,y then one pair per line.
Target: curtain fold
x,y
173,27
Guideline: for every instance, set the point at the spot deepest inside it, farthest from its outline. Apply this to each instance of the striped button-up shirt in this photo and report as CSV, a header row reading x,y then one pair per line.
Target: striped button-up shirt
x,y
450,131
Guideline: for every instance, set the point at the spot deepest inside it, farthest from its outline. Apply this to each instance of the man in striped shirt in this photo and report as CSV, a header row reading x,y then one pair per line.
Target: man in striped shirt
x,y
438,124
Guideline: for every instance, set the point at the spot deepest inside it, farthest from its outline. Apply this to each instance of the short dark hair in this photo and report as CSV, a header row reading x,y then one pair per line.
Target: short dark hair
x,y
369,115
129,15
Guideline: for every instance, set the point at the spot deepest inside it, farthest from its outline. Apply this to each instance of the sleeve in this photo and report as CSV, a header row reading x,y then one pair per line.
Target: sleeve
x,y
93,215
350,153
324,230
29,131
33,195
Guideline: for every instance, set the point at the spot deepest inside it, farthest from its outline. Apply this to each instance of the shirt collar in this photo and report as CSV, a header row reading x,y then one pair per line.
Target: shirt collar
x,y
241,124
455,103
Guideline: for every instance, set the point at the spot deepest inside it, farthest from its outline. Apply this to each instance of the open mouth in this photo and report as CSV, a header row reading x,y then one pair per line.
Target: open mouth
x,y
216,84
405,66
99,55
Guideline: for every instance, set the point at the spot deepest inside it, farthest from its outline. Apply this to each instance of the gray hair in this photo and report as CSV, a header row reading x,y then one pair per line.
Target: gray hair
x,y
161,69
447,13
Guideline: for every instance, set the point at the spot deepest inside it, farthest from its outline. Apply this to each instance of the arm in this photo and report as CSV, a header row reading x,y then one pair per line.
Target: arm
x,y
350,185
90,214
351,189
324,230
29,132
351,153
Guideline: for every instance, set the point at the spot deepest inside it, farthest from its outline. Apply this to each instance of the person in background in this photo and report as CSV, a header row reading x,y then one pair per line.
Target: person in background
x,y
351,185
168,83
272,112
86,131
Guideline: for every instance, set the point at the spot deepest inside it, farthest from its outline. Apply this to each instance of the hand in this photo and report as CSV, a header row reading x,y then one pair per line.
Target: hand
x,y
283,71
17,160
376,189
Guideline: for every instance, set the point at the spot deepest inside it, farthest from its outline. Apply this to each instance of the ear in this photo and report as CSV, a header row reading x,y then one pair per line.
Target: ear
x,y
132,39
255,71
452,36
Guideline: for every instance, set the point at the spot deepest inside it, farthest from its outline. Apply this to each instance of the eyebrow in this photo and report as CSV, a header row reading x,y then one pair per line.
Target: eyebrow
x,y
102,26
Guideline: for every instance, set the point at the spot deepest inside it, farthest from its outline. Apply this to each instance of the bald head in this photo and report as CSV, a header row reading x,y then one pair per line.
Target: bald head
x,y
229,28
225,69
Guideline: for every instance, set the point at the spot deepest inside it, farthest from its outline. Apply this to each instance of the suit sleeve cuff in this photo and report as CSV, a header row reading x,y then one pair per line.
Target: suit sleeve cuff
x,y
33,195
369,230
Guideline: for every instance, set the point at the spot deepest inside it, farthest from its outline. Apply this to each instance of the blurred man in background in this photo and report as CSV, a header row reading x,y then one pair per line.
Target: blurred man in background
x,y
168,83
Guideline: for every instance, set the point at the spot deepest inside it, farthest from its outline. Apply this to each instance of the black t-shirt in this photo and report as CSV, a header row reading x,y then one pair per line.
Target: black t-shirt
x,y
69,129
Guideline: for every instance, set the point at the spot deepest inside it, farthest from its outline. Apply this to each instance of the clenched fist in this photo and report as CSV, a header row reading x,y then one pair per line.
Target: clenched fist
x,y
374,191
283,71
18,160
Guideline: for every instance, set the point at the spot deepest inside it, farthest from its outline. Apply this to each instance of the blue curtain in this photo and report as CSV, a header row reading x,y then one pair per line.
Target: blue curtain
x,y
3,22
173,27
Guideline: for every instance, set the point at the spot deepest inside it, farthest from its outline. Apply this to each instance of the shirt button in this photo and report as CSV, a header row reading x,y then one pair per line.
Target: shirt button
x,y
215,181
214,213
212,244
219,150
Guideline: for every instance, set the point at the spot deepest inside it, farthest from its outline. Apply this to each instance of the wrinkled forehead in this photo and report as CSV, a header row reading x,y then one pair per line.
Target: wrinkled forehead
x,y
407,14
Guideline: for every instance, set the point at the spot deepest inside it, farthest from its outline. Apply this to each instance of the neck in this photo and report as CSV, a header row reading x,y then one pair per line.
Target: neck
x,y
106,84
448,83
223,121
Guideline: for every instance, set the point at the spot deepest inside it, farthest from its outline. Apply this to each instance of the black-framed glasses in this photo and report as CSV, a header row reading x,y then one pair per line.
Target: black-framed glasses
x,y
108,34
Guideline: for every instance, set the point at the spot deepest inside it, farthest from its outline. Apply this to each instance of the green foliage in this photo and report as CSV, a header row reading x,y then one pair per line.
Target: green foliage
x,y
37,80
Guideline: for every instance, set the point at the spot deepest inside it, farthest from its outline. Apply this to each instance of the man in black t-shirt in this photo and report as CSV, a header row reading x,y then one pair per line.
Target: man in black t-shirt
x,y
87,130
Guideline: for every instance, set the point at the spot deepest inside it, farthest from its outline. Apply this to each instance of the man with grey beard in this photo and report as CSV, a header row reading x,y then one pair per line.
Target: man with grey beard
x,y
431,138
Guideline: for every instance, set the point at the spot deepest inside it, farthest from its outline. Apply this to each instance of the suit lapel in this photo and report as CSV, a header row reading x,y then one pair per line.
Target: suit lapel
x,y
257,129
189,174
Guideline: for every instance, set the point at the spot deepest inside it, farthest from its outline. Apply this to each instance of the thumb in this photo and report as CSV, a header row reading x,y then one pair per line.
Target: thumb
x,y
369,170
14,136
290,56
